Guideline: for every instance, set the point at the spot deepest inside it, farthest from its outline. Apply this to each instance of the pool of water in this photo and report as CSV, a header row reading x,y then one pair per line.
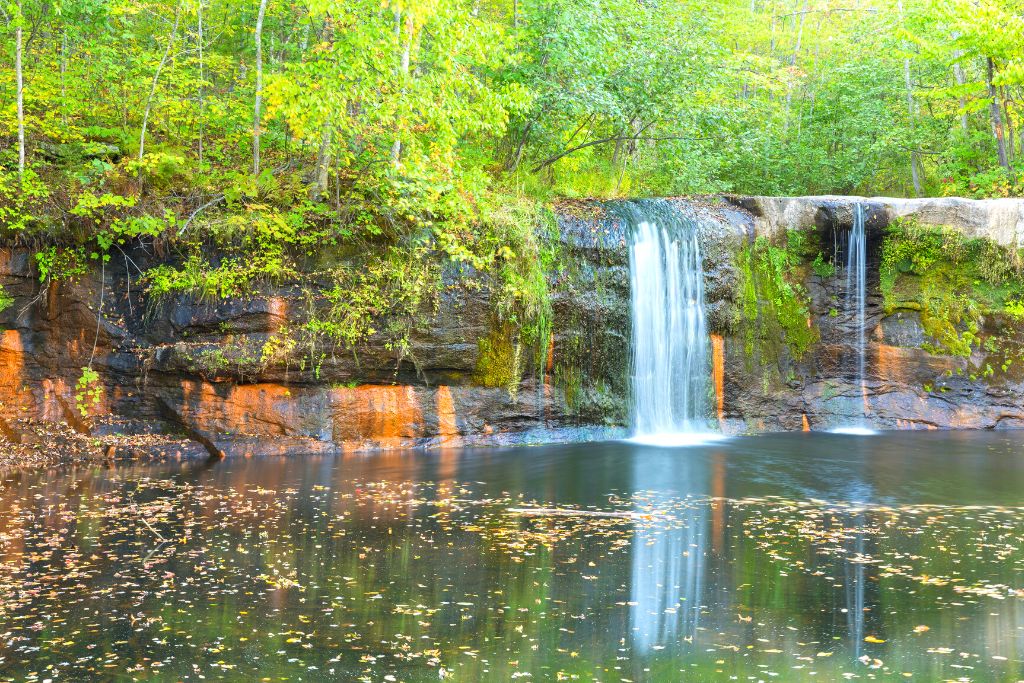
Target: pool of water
x,y
787,557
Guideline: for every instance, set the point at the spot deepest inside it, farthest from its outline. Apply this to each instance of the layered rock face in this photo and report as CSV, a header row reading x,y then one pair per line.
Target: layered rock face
x,y
942,350
945,347
235,376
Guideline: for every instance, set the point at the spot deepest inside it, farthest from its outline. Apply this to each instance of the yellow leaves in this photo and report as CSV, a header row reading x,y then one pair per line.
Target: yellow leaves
x,y
873,639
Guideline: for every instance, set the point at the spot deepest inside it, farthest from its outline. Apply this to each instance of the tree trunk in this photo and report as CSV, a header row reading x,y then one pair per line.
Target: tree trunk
x,y
915,161
156,80
958,76
63,75
997,119
20,78
792,63
1010,148
259,89
403,70
323,162
202,92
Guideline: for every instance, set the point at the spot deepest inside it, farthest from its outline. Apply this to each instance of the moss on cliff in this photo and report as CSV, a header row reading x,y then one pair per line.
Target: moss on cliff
x,y
952,280
589,352
774,305
500,359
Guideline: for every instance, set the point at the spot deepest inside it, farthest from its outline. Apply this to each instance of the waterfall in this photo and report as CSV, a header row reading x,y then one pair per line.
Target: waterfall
x,y
854,300
670,340
856,283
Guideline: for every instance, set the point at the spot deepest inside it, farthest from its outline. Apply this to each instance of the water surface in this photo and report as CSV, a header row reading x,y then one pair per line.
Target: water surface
x,y
793,557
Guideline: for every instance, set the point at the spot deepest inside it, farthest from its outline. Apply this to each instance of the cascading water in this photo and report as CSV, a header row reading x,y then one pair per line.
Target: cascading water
x,y
670,339
853,306
856,283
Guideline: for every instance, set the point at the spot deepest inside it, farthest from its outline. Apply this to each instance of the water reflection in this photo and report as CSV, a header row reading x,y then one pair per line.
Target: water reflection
x,y
718,564
854,588
668,565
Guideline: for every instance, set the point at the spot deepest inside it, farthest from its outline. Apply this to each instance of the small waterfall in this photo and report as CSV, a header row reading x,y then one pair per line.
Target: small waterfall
x,y
854,300
670,339
856,283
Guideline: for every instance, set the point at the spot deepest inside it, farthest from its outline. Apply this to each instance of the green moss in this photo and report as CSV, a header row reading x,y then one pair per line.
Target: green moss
x,y
774,305
499,363
803,244
952,280
821,267
211,362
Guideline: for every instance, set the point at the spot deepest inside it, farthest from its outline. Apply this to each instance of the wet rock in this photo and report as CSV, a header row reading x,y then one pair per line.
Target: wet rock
x,y
209,370
903,328
1000,220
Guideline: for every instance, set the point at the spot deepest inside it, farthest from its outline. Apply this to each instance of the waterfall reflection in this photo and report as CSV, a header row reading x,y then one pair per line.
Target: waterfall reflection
x,y
853,584
668,565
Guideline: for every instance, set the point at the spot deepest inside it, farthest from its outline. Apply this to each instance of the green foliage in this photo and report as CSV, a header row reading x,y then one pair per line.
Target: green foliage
x,y
1015,309
88,391
394,288
56,263
6,300
22,201
822,268
427,115
232,277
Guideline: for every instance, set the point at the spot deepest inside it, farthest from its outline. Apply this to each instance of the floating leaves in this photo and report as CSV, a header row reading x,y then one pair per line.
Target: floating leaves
x,y
186,574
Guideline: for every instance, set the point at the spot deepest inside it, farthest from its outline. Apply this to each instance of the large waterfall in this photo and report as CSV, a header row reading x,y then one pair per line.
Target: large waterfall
x,y
670,339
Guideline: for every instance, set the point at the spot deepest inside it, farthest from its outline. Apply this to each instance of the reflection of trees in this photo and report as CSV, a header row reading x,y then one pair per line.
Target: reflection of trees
x,y
668,564
412,570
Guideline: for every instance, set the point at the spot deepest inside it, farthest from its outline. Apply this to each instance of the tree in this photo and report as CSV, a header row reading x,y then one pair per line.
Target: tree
x,y
259,89
19,19
156,81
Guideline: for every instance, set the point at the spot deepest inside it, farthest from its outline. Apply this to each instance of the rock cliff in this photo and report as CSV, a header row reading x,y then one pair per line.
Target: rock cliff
x,y
945,342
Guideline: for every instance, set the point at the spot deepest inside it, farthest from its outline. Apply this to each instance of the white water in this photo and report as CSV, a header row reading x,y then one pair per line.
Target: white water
x,y
670,339
853,308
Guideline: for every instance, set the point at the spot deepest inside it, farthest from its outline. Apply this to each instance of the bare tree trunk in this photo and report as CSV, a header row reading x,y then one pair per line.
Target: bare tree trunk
x,y
323,162
63,75
396,147
792,62
958,76
202,76
997,119
1010,147
156,80
20,78
259,89
517,156
915,161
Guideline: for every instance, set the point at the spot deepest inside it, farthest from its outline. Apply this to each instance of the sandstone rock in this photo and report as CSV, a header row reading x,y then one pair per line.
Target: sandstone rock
x,y
200,367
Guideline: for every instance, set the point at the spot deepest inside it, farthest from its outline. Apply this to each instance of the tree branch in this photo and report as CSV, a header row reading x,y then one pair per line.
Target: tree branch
x,y
614,138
